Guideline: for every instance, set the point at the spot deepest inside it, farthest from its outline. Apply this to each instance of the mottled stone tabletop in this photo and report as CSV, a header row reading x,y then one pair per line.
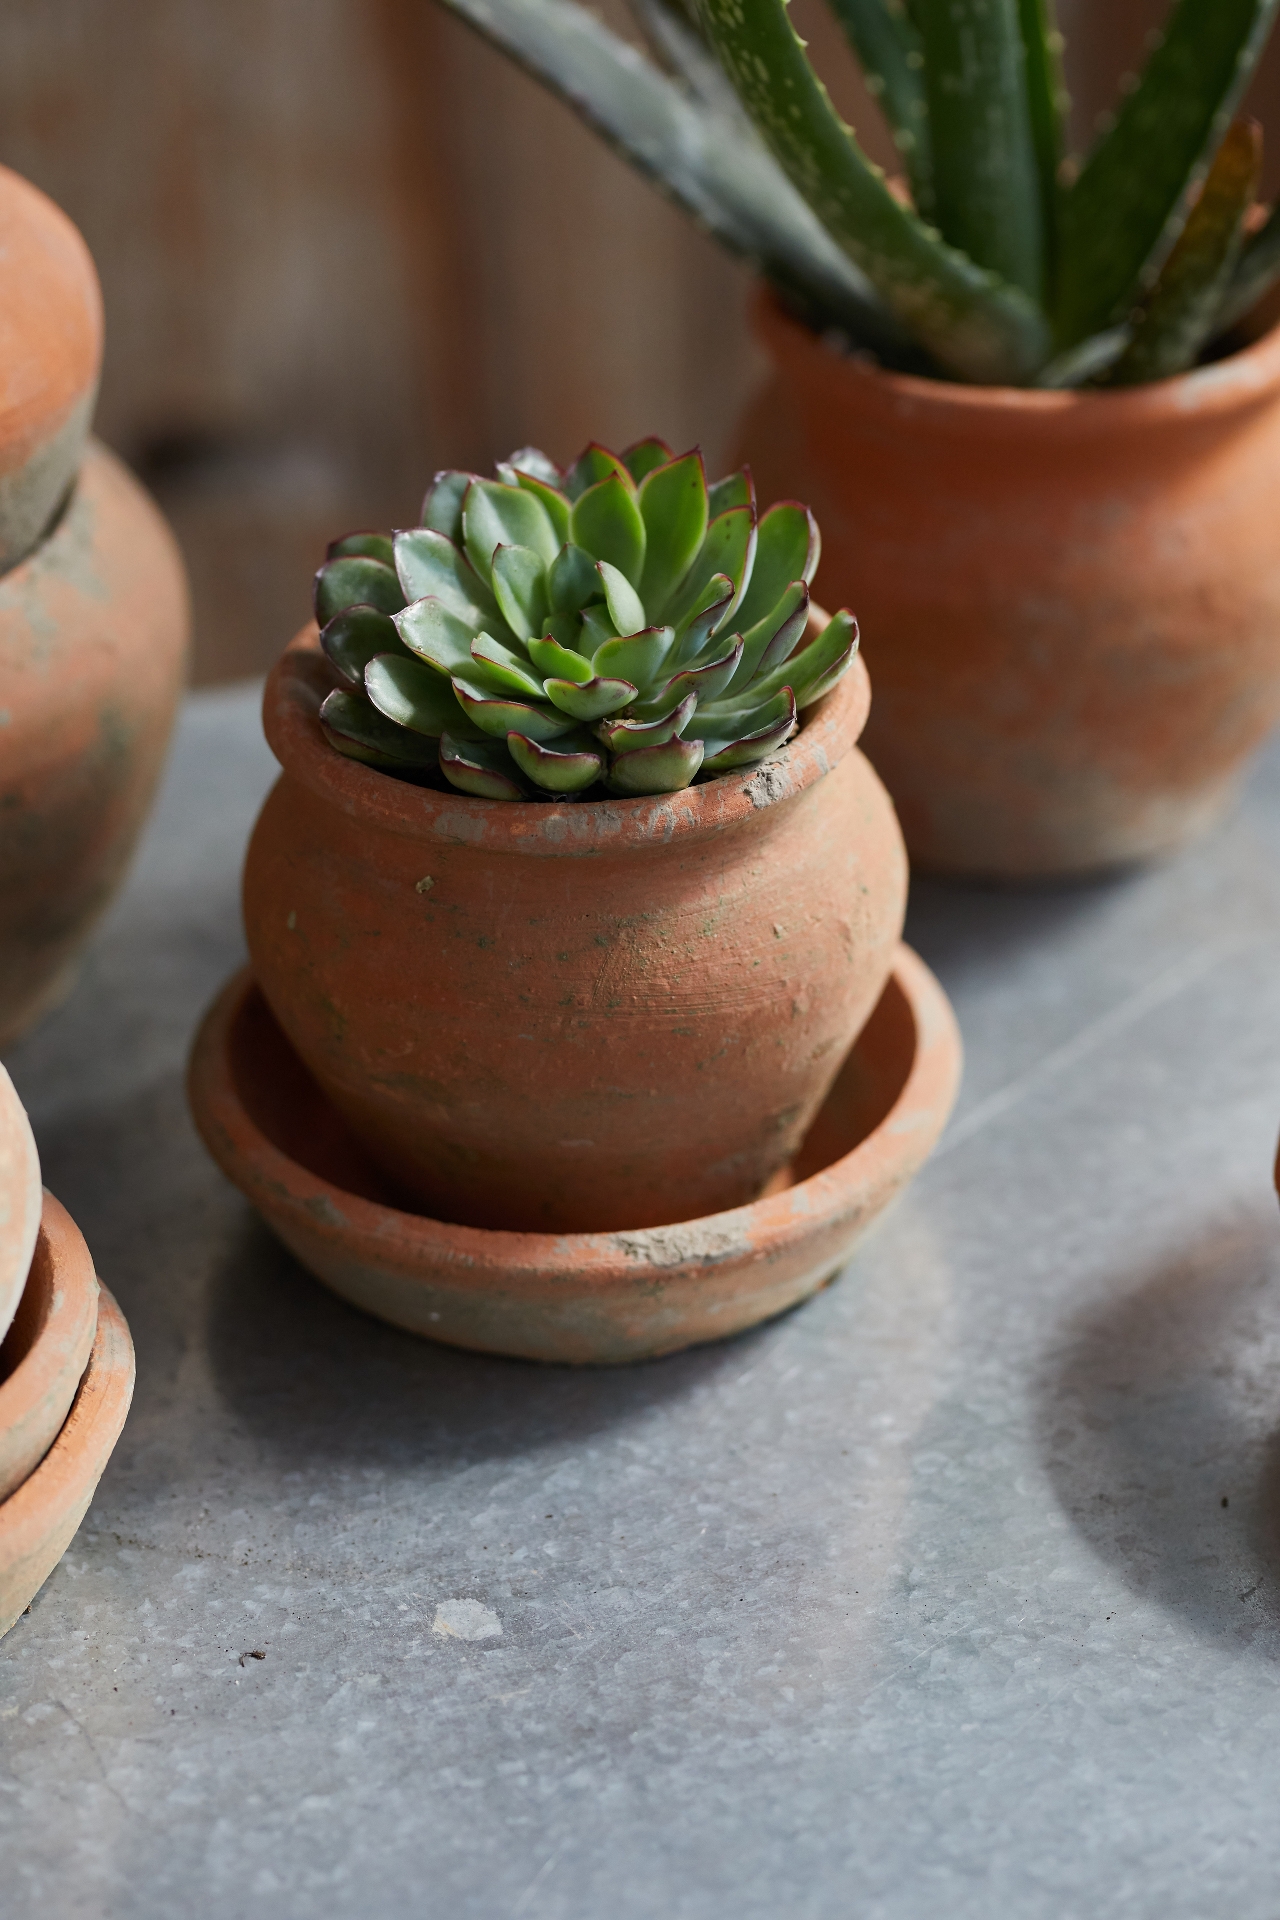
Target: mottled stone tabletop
x,y
954,1593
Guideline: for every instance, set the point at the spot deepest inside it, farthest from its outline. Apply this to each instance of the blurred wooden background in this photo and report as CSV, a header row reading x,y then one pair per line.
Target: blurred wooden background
x,y
343,243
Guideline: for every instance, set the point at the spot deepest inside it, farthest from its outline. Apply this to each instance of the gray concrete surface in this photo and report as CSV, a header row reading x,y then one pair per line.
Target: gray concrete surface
x,y
955,1593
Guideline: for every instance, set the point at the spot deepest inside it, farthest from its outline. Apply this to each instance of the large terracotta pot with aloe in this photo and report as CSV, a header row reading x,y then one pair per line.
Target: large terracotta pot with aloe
x,y
93,618
575,890
991,379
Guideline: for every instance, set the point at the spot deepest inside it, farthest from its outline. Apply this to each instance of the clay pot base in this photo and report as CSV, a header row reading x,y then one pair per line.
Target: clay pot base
x,y
584,1297
38,1522
47,1348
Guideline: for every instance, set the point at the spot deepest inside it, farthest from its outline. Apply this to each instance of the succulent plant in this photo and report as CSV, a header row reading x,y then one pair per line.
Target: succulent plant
x,y
997,258
542,632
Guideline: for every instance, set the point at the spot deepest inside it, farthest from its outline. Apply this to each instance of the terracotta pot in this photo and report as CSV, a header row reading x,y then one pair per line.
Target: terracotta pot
x,y
599,1297
574,1016
20,1200
1070,602
93,637
38,1522
47,1348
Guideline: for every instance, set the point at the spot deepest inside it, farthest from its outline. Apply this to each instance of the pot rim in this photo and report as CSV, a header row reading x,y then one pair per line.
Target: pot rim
x,y
21,1199
1243,380
301,678
58,1319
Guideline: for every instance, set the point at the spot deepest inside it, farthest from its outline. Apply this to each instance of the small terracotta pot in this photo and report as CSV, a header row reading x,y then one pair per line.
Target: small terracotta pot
x,y
93,639
570,1017
20,1200
38,1522
1070,602
50,353
581,1297
47,1348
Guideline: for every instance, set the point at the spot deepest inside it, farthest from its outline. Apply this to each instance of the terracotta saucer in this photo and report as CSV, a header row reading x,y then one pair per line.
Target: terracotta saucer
x,y
47,1347
20,1199
576,1297
38,1522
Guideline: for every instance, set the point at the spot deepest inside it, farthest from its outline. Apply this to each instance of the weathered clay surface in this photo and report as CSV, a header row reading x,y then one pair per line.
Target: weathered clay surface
x,y
47,1348
20,1200
93,636
574,1017
38,1522
576,1296
50,352
1070,601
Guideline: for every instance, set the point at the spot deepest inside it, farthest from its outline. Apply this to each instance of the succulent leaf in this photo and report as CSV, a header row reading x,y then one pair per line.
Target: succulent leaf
x,y
506,671
429,629
557,507
429,563
777,635
788,548
707,616
353,638
626,608
606,520
644,456
668,768
594,463
573,582
638,657
629,736
673,506
412,694
710,678
371,546
534,462
735,490
592,699
362,733
728,549
552,769
483,768
549,657
519,583
498,716
442,508
355,581
495,516
770,727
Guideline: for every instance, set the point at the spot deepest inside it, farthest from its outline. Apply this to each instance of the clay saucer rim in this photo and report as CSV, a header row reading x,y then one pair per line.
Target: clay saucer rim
x,y
21,1199
57,1319
889,1155
39,1520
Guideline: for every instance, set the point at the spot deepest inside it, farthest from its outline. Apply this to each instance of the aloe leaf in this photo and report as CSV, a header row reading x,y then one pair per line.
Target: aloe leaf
x,y
362,733
626,609
642,458
589,700
888,47
1180,312
554,771
594,464
606,521
370,546
549,657
776,636
520,588
668,768
355,582
427,562
788,548
504,671
702,159
977,325
735,490
538,466
728,549
638,657
630,736
1256,271
712,678
1047,104
775,724
482,768
498,717
986,178
1085,361
442,508
673,506
495,515
1120,220
414,695
354,637
436,634
572,580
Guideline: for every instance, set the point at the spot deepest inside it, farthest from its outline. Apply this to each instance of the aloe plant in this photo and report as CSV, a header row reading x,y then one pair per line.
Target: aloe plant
x,y
996,258
543,632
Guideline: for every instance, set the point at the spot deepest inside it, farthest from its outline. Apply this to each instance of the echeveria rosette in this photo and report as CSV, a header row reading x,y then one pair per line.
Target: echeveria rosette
x,y
543,632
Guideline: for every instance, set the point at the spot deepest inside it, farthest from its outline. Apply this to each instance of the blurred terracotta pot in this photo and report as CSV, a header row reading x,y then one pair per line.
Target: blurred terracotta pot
x,y
609,1014
50,353
1070,602
47,1348
93,638
20,1200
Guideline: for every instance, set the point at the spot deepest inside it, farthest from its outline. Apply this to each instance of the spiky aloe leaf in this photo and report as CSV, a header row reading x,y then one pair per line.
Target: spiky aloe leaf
x,y
668,768
702,159
1181,310
987,197
1256,271
1047,103
1122,217
356,636
553,770
362,733
888,47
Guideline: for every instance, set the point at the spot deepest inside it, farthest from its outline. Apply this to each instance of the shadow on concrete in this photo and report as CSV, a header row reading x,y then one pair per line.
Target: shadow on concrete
x,y
1160,1428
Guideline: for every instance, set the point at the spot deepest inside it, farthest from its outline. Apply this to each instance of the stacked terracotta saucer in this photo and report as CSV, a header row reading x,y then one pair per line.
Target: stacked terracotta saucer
x,y
66,1370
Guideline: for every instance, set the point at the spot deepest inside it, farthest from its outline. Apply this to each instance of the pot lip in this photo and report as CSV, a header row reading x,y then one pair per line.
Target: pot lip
x,y
1245,379
21,1199
604,1262
301,678
62,367
62,1291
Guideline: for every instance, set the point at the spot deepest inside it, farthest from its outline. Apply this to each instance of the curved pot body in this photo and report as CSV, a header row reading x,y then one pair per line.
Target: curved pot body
x,y
50,353
93,637
609,1014
21,1200
1070,601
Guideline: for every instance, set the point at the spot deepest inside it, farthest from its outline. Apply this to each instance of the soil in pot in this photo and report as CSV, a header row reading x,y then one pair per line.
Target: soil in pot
x,y
574,1016
1070,602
